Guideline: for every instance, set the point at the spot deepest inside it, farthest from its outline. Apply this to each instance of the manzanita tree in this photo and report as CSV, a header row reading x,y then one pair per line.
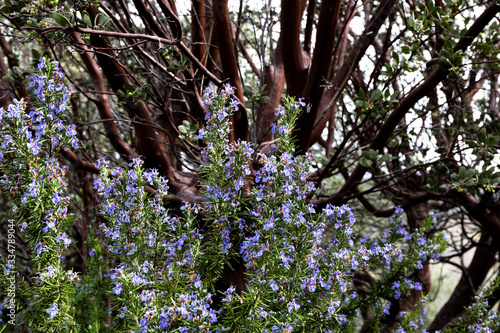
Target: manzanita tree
x,y
399,108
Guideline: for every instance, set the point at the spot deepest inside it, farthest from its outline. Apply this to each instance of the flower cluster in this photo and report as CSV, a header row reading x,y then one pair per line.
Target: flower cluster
x,y
414,321
31,173
154,284
299,261
150,269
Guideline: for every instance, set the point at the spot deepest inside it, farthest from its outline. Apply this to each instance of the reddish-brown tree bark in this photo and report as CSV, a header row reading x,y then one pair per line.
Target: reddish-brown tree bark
x,y
223,33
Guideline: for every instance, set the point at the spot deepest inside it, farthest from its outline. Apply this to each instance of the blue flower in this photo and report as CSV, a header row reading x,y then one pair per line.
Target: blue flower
x,y
15,110
118,288
395,287
137,279
102,163
64,239
333,306
293,306
34,146
39,248
70,130
122,311
273,285
228,294
279,112
226,241
53,310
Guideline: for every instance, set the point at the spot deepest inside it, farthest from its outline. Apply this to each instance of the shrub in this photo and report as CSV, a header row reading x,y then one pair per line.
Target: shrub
x,y
255,256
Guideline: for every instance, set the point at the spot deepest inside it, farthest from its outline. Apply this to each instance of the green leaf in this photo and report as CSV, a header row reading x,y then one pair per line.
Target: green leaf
x,y
395,56
104,20
17,71
359,102
387,71
470,173
471,144
194,128
461,172
35,54
262,88
428,222
469,183
405,49
183,129
492,140
375,96
264,99
370,154
20,5
365,162
362,94
430,6
128,87
86,19
8,78
411,23
385,158
60,19
481,136
248,91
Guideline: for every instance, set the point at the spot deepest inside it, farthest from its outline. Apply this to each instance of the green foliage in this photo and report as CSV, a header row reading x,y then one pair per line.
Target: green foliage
x,y
157,271
187,131
60,19
371,158
480,316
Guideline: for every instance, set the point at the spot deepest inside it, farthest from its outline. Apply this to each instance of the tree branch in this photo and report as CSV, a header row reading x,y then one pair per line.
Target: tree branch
x,y
296,62
77,162
344,73
320,68
223,33
386,131
311,11
101,101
